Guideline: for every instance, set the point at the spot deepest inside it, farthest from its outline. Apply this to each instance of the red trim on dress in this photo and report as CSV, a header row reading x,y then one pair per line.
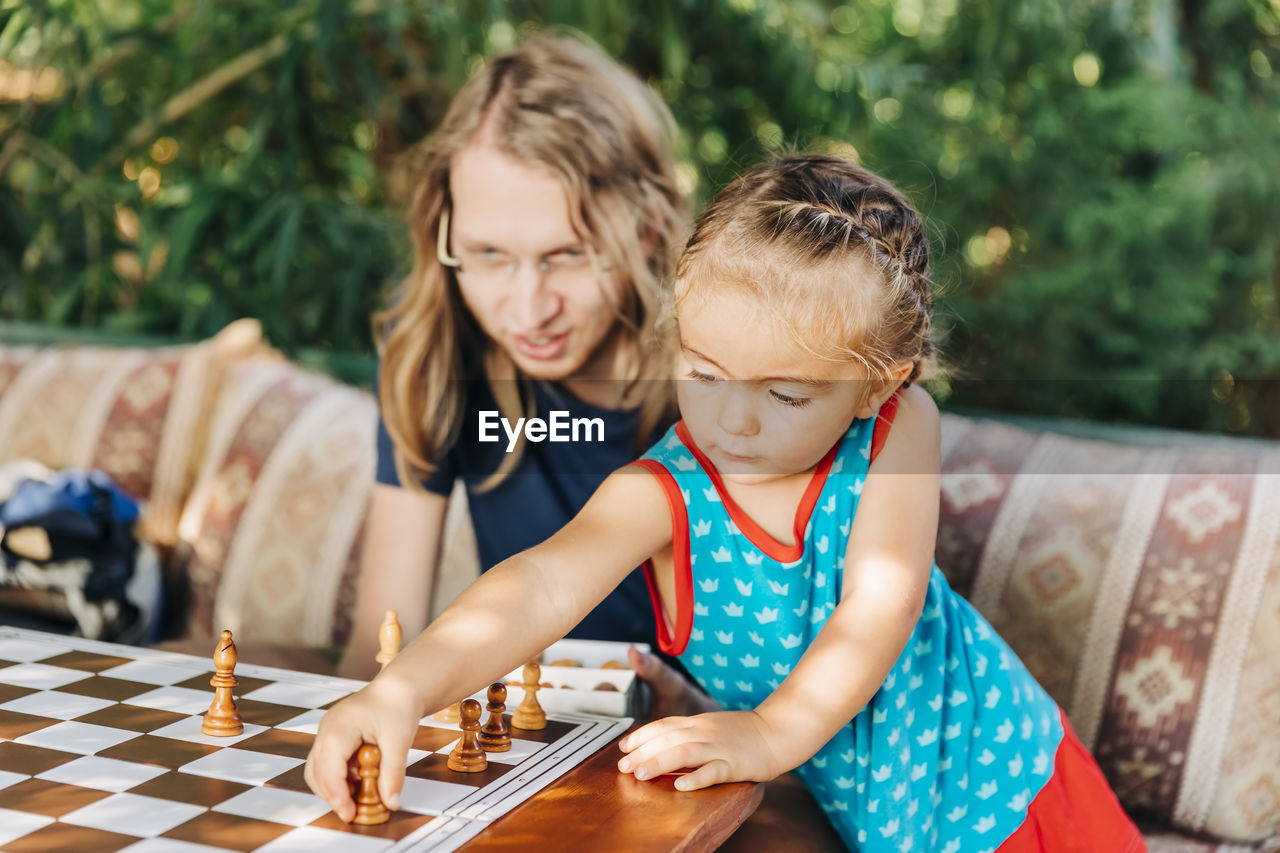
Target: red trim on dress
x,y
674,641
754,532
884,420
672,644
1076,809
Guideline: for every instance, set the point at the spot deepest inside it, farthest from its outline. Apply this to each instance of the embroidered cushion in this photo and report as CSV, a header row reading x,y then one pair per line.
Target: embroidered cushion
x,y
133,412
1141,585
274,522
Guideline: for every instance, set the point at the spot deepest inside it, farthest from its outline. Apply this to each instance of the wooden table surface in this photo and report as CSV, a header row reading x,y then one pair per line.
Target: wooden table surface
x,y
595,809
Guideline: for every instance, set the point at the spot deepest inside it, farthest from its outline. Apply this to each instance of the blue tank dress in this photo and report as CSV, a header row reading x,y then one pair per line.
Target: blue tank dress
x,y
955,745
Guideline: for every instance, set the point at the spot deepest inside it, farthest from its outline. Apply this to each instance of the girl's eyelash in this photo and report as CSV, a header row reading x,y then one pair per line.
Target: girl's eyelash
x,y
784,399
794,402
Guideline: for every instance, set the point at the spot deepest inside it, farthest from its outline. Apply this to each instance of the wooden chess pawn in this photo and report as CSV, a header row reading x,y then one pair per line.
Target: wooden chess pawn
x,y
496,736
369,808
468,756
529,715
223,719
452,714
389,637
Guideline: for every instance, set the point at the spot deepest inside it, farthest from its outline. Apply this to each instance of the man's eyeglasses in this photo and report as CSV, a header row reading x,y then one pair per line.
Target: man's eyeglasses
x,y
490,264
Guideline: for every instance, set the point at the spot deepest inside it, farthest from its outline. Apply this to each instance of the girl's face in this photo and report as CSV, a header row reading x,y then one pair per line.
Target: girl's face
x,y
756,403
553,314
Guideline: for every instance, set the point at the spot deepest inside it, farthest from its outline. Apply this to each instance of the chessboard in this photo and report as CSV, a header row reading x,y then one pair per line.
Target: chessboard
x,y
101,749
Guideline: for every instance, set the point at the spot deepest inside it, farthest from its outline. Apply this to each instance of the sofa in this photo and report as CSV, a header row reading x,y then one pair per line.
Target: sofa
x,y
1136,573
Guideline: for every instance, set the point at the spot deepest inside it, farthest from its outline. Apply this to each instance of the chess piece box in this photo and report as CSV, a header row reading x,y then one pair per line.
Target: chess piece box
x,y
574,688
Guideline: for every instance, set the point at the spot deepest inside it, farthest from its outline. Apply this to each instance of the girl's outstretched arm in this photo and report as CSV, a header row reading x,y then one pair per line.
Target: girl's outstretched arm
x,y
511,613
886,576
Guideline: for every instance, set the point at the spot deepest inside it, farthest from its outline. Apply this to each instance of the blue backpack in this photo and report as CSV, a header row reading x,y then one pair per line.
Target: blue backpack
x,y
71,534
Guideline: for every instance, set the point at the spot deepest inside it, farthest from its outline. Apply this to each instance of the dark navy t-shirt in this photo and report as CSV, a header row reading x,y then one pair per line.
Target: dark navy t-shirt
x,y
552,481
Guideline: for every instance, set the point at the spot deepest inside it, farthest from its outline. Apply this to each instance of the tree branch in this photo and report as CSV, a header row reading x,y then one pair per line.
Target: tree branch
x,y
130,47
41,150
194,95
11,149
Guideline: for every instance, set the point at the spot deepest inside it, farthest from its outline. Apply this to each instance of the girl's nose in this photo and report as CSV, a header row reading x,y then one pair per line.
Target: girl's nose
x,y
737,415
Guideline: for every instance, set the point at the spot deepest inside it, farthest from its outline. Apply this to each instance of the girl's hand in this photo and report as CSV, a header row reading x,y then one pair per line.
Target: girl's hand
x,y
382,713
725,746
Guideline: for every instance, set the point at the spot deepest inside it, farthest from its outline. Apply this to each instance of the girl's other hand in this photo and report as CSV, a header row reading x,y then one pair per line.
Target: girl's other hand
x,y
725,746
673,694
383,714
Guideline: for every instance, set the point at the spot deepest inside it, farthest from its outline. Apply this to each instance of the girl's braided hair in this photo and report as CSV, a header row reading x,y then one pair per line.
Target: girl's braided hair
x,y
836,252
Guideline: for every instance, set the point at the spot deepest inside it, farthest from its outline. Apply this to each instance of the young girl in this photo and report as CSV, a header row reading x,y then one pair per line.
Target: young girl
x,y
789,522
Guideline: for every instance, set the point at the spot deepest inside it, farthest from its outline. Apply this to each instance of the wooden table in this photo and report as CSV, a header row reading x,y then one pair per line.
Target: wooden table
x,y
595,809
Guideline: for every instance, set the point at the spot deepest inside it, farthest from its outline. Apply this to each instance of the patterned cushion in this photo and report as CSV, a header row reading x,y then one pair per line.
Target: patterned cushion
x,y
1164,840
1142,587
134,413
275,520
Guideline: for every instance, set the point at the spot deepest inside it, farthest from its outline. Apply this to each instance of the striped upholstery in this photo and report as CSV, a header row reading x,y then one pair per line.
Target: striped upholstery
x,y
1140,584
274,521
274,524
1142,587
135,413
132,413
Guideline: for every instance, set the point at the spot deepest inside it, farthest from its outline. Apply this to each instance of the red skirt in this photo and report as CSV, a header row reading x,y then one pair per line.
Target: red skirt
x,y
1076,809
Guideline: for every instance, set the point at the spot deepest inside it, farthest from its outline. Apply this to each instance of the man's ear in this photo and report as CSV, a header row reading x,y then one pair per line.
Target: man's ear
x,y
888,386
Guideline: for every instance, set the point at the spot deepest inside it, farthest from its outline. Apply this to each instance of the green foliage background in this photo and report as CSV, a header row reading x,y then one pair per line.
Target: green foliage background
x,y
1103,178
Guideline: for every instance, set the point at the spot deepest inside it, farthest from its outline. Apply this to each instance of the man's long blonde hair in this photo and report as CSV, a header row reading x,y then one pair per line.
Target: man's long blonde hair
x,y
558,102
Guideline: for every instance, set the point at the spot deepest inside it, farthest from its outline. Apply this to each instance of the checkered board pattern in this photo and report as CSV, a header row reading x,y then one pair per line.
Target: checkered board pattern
x,y
100,749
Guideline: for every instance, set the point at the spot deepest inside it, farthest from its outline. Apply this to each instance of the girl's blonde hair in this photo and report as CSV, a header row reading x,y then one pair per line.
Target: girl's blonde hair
x,y
833,251
559,102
